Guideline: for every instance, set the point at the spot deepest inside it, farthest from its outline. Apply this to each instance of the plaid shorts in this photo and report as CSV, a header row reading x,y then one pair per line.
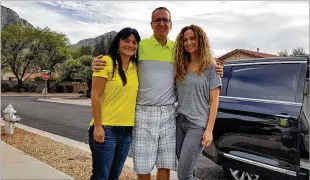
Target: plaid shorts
x,y
154,139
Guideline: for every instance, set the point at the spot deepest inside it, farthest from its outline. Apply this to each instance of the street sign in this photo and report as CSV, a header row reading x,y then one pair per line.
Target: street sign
x,y
45,76
46,71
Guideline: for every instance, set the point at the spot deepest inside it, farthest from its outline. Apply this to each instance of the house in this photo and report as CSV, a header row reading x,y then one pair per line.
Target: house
x,y
243,54
7,74
32,76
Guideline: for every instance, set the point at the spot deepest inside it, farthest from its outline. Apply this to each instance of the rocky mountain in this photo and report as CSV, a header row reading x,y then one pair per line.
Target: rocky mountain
x,y
8,16
106,38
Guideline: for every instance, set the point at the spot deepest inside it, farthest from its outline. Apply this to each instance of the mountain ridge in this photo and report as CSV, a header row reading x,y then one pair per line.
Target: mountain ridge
x,y
9,16
106,37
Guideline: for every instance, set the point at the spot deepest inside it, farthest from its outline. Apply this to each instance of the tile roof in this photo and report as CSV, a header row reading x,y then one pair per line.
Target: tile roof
x,y
33,75
255,54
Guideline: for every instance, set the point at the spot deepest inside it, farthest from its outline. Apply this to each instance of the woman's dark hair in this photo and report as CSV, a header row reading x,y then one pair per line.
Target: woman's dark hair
x,y
114,51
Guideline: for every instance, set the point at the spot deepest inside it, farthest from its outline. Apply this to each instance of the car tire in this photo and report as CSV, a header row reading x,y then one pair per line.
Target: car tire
x,y
228,173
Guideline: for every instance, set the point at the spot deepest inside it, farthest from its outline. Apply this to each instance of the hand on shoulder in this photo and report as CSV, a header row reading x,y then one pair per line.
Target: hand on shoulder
x,y
99,63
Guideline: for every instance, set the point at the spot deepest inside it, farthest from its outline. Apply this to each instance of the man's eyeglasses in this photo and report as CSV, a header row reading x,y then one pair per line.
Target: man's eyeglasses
x,y
158,20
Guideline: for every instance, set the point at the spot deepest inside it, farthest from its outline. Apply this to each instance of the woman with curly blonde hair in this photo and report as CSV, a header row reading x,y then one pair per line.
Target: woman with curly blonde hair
x,y
198,89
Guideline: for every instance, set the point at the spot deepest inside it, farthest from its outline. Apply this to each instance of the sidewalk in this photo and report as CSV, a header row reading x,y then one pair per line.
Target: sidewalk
x,y
40,94
78,101
17,165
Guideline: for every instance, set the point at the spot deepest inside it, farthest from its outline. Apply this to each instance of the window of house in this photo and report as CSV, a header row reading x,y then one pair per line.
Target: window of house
x,y
269,82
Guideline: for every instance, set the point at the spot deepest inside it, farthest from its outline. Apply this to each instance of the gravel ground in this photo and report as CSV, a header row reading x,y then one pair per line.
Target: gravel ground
x,y
67,159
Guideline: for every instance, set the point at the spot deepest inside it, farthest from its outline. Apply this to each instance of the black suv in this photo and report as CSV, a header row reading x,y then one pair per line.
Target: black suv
x,y
262,126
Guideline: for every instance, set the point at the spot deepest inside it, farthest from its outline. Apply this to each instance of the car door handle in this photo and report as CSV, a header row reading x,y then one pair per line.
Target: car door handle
x,y
283,119
282,116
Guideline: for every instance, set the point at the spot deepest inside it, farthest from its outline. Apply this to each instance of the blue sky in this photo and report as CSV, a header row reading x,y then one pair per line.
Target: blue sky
x,y
270,26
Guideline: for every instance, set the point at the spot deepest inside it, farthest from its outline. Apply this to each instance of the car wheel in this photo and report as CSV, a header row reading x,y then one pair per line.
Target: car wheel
x,y
234,174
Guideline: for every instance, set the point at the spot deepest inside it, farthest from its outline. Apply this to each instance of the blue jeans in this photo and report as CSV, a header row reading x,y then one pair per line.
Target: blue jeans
x,y
189,147
109,157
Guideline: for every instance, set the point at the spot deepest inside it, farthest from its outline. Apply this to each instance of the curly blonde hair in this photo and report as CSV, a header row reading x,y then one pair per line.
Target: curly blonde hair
x,y
181,57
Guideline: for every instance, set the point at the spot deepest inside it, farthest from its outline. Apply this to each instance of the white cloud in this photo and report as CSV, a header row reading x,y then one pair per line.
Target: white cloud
x,y
270,26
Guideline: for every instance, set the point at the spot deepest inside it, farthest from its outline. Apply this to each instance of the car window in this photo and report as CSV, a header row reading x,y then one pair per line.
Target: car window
x,y
269,82
307,81
225,79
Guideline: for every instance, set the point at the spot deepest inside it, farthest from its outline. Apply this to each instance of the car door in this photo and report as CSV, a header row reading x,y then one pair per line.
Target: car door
x,y
260,115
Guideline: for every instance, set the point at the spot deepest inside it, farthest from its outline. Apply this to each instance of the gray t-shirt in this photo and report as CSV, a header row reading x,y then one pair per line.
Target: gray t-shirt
x,y
193,95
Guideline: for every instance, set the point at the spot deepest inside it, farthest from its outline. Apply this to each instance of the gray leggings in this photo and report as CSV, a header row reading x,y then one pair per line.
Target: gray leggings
x,y
189,148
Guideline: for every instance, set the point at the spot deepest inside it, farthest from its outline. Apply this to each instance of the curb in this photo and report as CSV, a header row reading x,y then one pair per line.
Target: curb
x,y
37,95
59,100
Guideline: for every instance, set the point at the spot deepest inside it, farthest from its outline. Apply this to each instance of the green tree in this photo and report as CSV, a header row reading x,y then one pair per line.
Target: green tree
x,y
54,50
86,72
73,52
284,53
78,70
298,52
76,52
68,71
100,48
17,45
295,52
85,50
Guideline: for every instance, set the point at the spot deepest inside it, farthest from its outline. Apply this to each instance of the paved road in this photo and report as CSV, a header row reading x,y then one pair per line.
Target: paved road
x,y
65,120
72,121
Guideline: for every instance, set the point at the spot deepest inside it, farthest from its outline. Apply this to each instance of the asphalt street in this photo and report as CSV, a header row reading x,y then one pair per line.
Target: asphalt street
x,y
72,121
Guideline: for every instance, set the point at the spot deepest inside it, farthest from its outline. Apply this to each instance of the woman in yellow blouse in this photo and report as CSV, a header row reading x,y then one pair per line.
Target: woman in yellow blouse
x,y
113,100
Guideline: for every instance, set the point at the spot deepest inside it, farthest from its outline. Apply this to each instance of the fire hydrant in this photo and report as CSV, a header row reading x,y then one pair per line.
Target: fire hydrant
x,y
9,119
